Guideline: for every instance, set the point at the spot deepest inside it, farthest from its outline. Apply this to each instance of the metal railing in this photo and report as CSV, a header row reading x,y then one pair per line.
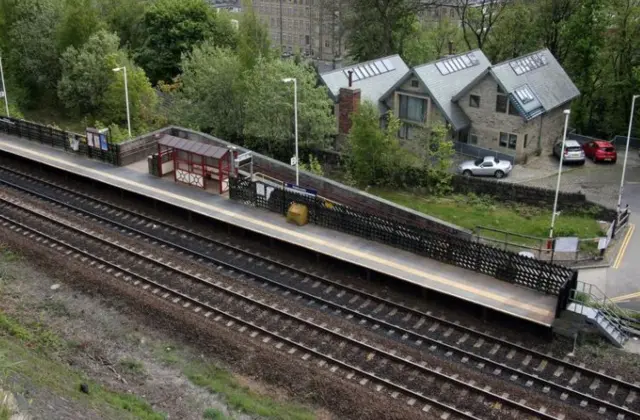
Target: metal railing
x,y
587,295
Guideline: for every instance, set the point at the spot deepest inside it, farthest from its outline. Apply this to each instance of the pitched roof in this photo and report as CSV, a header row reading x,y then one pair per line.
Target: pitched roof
x,y
192,146
536,82
446,77
373,78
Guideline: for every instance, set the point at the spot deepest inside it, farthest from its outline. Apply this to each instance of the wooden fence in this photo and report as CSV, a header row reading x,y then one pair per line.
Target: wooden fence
x,y
503,265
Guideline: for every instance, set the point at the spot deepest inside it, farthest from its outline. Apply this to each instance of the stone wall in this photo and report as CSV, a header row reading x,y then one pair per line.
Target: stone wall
x,y
140,147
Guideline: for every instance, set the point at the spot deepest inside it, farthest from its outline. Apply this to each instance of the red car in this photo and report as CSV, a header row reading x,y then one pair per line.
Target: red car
x,y
600,151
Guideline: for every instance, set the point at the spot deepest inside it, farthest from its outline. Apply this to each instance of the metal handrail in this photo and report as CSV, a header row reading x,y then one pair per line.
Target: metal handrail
x,y
602,304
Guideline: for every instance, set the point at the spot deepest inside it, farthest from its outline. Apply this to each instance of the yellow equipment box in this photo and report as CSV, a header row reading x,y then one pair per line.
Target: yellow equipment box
x,y
298,214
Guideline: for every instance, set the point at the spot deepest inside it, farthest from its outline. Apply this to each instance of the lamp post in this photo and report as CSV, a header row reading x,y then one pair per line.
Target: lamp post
x,y
626,153
295,111
567,112
126,96
4,89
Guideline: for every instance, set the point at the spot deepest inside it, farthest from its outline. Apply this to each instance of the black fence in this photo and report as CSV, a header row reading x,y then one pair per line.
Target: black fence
x,y
67,141
503,265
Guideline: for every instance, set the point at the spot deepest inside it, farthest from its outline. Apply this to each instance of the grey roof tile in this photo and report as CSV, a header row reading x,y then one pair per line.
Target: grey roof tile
x,y
545,77
372,86
443,87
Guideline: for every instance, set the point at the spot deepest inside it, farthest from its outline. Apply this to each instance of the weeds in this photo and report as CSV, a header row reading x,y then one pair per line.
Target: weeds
x,y
132,366
213,414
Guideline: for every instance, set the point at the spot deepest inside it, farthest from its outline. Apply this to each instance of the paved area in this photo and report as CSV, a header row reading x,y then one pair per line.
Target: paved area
x,y
464,284
600,183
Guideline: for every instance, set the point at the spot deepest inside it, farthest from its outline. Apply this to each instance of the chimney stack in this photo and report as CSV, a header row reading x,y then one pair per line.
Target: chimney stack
x,y
350,72
348,103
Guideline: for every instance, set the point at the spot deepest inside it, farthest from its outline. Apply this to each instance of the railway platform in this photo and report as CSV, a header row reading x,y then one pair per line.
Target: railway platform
x,y
480,289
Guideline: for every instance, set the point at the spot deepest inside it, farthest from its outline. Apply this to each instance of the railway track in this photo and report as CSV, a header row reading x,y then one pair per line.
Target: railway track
x,y
291,333
556,378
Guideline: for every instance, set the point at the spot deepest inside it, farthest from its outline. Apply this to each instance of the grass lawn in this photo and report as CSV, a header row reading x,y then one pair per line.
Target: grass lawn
x,y
472,211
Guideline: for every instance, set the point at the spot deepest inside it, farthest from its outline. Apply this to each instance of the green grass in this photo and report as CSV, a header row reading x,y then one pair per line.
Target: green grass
x,y
132,366
241,398
472,211
214,414
25,353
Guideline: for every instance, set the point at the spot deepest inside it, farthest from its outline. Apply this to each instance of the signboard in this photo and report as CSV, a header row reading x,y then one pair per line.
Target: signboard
x,y
567,244
300,190
103,141
294,161
98,138
241,158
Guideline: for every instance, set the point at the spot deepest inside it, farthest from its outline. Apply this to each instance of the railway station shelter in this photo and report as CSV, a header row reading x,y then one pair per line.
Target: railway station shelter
x,y
194,163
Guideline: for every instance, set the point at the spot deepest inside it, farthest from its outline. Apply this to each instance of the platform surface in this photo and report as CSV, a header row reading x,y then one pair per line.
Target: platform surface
x,y
464,284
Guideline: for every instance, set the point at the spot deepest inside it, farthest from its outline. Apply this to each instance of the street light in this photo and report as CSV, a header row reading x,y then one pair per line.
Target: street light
x,y
626,153
295,110
4,90
567,112
126,96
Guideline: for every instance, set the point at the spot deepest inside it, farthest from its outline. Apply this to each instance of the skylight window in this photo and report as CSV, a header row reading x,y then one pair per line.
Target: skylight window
x,y
455,64
366,70
529,63
524,94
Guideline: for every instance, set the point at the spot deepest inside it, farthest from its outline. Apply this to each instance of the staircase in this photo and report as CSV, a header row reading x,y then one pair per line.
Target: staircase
x,y
589,301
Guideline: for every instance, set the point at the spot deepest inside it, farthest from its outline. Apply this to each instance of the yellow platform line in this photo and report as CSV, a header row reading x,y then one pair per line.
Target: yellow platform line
x,y
626,297
623,247
265,225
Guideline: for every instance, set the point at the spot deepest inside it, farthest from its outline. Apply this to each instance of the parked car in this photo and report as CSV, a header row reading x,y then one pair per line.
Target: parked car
x,y
573,152
486,166
600,151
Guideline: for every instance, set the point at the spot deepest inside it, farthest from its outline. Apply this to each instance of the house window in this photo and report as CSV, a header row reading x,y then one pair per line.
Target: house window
x,y
412,108
508,140
526,140
501,103
415,83
474,101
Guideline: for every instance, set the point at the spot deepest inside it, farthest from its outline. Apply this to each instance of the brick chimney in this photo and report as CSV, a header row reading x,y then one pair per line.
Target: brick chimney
x,y
349,100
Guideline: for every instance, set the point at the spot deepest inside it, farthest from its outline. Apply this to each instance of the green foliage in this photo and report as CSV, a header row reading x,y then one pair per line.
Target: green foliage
x,y
80,20
213,414
438,150
373,151
313,165
90,87
381,27
171,28
253,37
124,17
430,42
132,366
514,34
28,39
243,399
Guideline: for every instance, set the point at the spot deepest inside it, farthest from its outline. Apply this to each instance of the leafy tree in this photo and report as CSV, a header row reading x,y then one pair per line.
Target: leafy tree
x,y
514,34
438,157
478,20
90,87
373,151
313,165
431,42
171,28
124,17
211,94
28,30
269,113
552,16
381,27
253,37
80,20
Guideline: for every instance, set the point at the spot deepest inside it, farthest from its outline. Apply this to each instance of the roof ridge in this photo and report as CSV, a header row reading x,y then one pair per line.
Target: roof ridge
x,y
447,58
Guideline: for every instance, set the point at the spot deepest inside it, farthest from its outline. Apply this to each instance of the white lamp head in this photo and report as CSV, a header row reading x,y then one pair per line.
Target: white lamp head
x,y
288,80
567,111
118,69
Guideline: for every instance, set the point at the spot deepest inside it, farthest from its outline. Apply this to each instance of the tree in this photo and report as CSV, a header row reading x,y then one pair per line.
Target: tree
x,y
171,28
431,42
269,113
381,27
90,87
372,151
478,19
124,17
80,20
29,44
438,155
552,16
253,37
514,34
211,95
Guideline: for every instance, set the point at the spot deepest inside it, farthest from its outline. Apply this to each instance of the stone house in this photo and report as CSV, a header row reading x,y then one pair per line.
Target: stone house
x,y
514,108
